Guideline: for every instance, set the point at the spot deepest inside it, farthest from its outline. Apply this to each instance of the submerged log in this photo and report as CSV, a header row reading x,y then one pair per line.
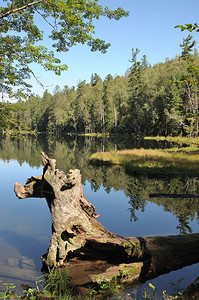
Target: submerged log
x,y
154,195
77,236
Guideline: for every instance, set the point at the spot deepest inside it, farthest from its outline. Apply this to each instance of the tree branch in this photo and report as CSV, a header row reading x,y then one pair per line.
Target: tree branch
x,y
44,19
12,6
26,22
23,62
176,119
13,121
12,11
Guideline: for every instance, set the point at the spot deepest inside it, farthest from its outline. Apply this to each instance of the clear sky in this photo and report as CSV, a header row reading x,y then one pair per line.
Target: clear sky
x,y
149,27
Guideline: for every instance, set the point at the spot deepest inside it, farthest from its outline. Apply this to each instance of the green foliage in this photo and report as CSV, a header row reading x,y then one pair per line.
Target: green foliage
x,y
58,283
108,288
160,100
22,39
95,78
31,293
8,293
189,27
9,122
136,106
150,161
22,43
187,46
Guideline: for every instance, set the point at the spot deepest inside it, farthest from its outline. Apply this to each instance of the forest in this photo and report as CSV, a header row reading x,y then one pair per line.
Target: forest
x,y
148,100
162,99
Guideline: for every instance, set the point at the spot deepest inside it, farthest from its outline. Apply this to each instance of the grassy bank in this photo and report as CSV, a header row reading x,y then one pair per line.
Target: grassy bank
x,y
152,161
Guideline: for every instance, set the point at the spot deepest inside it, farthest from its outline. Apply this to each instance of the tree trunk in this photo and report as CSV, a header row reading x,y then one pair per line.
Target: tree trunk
x,y
79,237
115,118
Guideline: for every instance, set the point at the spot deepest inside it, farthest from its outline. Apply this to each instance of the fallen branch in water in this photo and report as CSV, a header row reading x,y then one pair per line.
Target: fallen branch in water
x,y
154,195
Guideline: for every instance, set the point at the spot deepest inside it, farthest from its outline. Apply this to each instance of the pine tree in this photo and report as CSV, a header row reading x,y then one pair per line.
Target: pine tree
x,y
187,47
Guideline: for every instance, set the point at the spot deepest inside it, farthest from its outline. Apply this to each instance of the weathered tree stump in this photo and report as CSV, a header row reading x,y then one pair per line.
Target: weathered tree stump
x,y
76,234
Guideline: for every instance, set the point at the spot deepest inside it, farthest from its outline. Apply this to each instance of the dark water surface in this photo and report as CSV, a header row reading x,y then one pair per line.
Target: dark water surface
x,y
122,201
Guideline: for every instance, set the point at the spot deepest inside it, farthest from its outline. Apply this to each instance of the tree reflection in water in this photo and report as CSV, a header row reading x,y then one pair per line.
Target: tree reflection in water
x,y
137,203
72,153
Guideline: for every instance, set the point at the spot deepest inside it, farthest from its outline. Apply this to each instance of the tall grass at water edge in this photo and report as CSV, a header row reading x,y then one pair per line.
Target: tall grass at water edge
x,y
152,161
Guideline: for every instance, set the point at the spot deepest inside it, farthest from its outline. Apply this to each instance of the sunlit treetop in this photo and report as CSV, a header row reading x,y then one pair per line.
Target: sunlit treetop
x,y
21,35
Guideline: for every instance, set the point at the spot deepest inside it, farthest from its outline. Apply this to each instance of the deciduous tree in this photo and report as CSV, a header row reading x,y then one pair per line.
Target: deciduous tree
x,y
21,35
22,25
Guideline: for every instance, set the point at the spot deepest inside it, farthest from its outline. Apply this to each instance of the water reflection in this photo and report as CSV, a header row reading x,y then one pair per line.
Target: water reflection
x,y
19,259
137,190
29,149
172,283
72,153
136,203
121,200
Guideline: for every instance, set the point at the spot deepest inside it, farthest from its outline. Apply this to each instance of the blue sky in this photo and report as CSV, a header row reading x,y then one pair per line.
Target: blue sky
x,y
149,27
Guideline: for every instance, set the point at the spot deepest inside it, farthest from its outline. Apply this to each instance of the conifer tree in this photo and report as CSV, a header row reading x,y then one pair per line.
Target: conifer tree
x,y
187,46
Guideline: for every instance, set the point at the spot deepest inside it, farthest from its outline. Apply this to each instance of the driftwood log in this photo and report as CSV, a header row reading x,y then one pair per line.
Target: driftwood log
x,y
154,195
78,237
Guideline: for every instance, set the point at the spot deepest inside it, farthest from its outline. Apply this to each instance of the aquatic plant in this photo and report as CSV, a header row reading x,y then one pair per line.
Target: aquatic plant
x,y
8,293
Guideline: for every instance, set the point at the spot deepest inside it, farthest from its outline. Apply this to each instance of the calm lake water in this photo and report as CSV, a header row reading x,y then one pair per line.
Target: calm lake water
x,y
122,201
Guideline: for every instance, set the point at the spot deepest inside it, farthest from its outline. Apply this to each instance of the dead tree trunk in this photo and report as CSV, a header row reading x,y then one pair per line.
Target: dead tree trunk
x,y
76,233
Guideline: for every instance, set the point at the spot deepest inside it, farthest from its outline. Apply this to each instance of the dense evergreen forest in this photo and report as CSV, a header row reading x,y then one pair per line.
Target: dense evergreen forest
x,y
150,100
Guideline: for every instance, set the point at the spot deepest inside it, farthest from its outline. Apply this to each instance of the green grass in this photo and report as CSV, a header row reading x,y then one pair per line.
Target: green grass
x,y
56,284
152,161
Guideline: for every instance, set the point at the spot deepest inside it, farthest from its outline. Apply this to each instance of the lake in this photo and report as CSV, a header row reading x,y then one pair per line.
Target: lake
x,y
121,200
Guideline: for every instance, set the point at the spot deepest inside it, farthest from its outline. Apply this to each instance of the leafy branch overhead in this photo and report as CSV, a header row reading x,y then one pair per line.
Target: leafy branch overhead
x,y
7,121
22,38
189,27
